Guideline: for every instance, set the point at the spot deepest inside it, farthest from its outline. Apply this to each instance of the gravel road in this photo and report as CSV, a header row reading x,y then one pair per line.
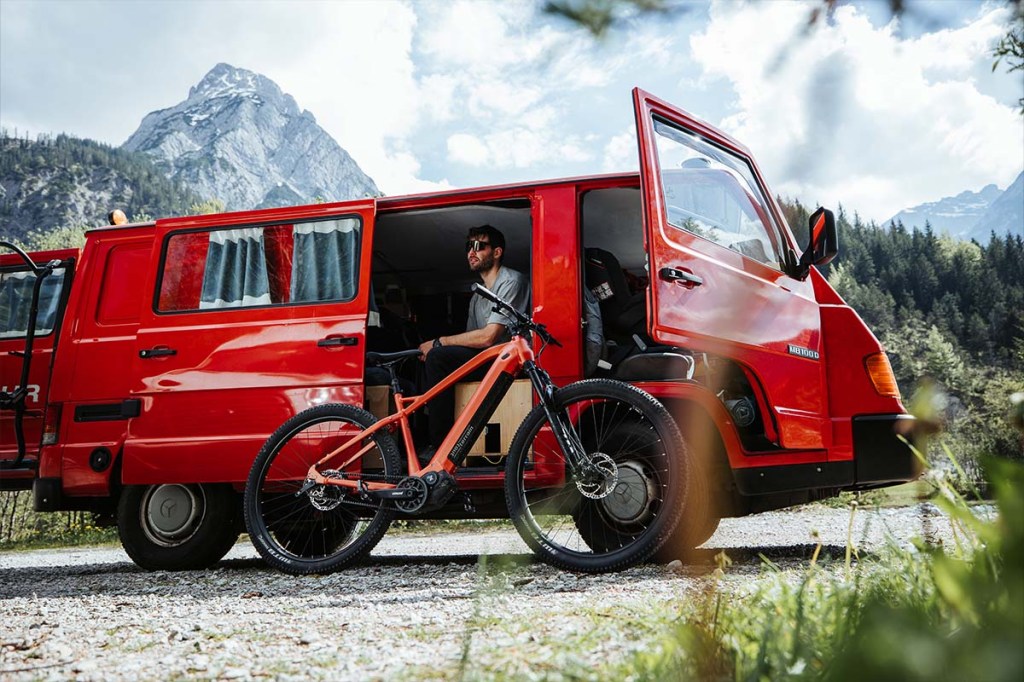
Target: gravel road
x,y
412,611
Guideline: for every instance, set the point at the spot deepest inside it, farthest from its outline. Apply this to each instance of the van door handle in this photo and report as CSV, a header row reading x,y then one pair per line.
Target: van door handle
x,y
157,352
688,279
329,341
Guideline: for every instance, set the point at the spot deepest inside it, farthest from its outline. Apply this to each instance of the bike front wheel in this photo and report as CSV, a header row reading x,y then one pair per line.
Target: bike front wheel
x,y
326,527
620,503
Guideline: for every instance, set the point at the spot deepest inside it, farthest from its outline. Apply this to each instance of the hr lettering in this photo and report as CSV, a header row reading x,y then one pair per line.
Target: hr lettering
x,y
33,392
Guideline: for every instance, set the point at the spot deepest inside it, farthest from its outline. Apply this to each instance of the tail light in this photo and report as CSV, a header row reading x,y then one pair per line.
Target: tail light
x,y
51,424
880,372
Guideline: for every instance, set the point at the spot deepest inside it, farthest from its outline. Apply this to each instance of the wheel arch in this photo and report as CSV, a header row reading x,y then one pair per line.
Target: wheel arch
x,y
707,440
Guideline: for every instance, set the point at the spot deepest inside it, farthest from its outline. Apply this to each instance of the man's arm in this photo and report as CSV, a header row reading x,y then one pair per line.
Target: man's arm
x,y
478,338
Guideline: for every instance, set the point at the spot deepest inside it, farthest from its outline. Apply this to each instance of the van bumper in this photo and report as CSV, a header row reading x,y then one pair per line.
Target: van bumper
x,y
882,449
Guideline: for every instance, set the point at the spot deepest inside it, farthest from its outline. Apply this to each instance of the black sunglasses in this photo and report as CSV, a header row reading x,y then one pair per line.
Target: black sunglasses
x,y
476,245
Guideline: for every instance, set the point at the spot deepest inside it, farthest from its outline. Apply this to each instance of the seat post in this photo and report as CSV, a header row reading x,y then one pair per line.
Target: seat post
x,y
396,388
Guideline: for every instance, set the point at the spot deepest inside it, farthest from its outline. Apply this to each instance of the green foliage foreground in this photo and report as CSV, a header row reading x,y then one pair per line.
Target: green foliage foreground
x,y
928,614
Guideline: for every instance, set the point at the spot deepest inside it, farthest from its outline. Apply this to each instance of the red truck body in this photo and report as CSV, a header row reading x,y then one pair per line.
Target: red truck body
x,y
150,380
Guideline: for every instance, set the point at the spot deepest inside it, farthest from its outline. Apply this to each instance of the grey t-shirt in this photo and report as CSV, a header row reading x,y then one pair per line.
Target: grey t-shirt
x,y
512,286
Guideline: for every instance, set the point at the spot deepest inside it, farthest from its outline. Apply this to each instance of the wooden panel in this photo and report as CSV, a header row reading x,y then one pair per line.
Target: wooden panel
x,y
379,402
502,426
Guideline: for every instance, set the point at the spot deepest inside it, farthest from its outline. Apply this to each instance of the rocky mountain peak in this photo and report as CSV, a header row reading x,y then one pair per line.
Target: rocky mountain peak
x,y
239,138
225,80
970,215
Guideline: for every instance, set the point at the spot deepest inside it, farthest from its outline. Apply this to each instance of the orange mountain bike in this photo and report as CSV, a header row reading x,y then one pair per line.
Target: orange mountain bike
x,y
595,477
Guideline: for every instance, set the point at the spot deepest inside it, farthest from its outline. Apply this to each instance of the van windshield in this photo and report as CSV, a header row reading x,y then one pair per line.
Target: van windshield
x,y
16,302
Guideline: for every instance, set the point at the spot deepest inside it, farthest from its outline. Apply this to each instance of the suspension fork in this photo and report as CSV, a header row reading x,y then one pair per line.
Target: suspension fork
x,y
565,434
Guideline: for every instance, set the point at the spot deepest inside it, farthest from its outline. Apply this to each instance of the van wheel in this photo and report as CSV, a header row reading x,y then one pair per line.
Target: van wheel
x,y
177,527
697,524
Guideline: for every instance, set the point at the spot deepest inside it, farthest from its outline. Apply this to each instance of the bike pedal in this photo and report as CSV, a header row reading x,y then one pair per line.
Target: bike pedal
x,y
467,504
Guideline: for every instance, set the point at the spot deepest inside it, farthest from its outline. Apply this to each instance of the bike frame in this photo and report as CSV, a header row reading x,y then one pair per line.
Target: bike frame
x,y
506,359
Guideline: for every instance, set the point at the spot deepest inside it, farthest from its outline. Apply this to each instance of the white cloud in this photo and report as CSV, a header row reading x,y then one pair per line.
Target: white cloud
x,y
407,168
467,149
512,79
483,36
853,113
436,93
516,148
620,153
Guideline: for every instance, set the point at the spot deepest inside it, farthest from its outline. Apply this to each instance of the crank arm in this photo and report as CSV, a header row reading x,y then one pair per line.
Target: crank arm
x,y
392,494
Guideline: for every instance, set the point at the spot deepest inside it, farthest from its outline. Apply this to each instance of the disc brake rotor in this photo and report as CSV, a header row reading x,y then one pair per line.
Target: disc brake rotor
x,y
600,481
327,497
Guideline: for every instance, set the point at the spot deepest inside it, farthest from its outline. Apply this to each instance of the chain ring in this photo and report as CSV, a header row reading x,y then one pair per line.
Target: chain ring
x,y
610,477
413,504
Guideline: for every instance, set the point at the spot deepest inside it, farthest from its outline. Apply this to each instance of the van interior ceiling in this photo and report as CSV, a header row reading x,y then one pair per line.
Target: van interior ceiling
x,y
421,280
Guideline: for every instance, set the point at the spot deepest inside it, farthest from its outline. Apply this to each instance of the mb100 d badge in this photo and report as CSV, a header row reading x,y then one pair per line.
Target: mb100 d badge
x,y
803,352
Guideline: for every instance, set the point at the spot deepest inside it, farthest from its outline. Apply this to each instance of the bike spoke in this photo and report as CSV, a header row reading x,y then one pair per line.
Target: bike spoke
x,y
612,507
327,525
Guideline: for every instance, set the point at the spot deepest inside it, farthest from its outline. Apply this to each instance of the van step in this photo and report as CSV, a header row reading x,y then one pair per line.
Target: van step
x,y
14,465
17,477
10,466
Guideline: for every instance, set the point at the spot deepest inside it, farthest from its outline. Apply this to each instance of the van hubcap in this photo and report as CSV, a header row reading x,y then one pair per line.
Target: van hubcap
x,y
171,514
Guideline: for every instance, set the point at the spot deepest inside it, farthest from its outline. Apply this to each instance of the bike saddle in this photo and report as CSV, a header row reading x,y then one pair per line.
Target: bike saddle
x,y
386,359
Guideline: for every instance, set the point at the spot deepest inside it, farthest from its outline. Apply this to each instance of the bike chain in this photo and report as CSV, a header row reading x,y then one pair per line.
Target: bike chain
x,y
347,501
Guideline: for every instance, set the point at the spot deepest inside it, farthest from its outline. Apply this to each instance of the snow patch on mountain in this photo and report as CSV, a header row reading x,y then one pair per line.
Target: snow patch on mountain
x,y
971,215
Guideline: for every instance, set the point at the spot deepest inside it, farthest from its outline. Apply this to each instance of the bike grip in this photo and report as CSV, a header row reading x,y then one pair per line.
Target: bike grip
x,y
499,302
484,291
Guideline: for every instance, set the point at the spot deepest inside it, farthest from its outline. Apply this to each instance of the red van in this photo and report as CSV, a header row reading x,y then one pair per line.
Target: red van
x,y
171,350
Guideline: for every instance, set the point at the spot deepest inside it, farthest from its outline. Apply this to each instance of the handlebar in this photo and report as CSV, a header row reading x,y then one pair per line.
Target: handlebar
x,y
522,320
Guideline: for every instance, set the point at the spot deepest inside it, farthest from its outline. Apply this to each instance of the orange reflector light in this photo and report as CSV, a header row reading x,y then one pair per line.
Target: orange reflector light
x,y
117,217
881,375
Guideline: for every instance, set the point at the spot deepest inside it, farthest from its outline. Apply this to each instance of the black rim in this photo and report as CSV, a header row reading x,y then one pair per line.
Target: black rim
x,y
325,521
607,512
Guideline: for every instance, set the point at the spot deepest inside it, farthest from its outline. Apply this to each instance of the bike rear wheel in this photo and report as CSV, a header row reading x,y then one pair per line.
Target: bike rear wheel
x,y
621,511
327,527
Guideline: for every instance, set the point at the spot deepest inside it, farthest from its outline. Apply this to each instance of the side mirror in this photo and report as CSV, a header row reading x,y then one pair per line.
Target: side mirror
x,y
824,243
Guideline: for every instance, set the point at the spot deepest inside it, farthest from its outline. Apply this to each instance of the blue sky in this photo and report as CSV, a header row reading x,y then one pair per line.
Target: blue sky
x,y
876,114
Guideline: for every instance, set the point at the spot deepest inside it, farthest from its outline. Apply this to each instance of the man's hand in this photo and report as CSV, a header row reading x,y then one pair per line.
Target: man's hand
x,y
425,348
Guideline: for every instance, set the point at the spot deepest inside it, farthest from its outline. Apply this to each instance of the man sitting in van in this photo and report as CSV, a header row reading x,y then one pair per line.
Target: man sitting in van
x,y
485,249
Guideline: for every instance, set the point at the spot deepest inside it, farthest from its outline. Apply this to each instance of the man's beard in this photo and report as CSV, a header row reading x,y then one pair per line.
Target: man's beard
x,y
484,262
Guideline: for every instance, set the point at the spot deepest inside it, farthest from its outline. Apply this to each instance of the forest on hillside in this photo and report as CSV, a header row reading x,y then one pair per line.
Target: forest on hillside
x,y
44,179
949,313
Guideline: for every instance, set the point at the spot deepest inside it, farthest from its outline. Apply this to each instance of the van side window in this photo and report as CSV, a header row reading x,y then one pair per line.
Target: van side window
x,y
16,302
260,266
713,194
